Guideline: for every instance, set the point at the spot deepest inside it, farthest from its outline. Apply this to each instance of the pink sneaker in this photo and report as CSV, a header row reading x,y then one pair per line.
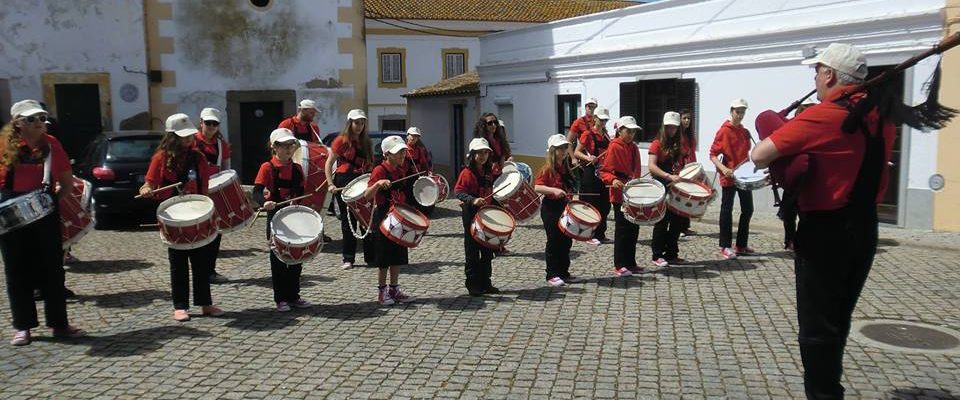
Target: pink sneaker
x,y
181,315
622,272
594,242
728,253
283,306
21,338
661,263
556,281
300,303
399,296
384,297
212,311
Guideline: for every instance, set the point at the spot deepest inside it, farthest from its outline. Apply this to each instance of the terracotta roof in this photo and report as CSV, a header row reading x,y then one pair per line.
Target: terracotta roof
x,y
461,84
489,10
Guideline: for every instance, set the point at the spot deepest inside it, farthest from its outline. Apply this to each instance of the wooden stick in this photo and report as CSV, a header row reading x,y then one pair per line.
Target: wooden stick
x,y
583,164
160,189
408,177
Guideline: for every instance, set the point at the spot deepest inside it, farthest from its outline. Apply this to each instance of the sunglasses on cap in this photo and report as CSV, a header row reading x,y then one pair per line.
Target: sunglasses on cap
x,y
492,123
211,123
31,119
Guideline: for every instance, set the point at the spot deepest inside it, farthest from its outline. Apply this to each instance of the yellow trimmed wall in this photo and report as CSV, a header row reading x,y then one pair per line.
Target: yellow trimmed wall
x,y
946,203
154,12
355,45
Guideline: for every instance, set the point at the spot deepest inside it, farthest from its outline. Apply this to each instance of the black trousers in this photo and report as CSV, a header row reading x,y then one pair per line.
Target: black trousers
x,y
349,250
590,183
666,235
557,252
33,257
788,214
478,266
835,250
388,253
726,216
624,240
285,277
213,253
184,263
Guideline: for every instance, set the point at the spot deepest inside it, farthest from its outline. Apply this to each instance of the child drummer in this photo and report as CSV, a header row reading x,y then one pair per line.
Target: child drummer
x,y
386,190
621,164
554,182
474,188
733,143
666,160
277,180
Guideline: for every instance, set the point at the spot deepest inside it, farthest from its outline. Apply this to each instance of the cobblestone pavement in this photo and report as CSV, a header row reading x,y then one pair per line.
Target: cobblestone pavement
x,y
711,329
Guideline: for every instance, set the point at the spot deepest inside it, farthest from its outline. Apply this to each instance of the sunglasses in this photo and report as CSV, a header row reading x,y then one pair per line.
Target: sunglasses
x,y
489,123
211,123
31,119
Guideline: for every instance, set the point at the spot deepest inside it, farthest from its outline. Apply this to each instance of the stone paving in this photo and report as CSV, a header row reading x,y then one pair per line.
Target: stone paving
x,y
713,329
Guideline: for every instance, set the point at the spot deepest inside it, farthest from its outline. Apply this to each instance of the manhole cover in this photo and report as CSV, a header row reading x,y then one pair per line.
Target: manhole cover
x,y
907,336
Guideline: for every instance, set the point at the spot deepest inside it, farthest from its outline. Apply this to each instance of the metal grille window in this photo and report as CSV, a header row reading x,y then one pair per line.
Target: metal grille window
x,y
391,67
648,100
454,65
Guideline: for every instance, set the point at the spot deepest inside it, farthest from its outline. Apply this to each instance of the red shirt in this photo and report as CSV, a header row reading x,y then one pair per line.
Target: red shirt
x,y
734,143
499,152
158,175
419,156
396,193
468,182
621,162
28,176
302,130
594,143
217,151
688,144
581,126
285,172
558,178
835,156
347,159
663,159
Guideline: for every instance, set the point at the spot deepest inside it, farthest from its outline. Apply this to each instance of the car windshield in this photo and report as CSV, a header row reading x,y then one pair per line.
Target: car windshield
x,y
131,149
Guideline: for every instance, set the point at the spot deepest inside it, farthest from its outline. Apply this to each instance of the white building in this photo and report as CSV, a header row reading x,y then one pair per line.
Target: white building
x,y
701,54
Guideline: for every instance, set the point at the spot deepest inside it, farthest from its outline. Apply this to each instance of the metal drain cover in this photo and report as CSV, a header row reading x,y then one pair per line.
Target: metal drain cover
x,y
907,336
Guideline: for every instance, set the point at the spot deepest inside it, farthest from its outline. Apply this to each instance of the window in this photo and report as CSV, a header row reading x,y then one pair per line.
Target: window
x,y
392,71
454,62
567,107
648,100
393,125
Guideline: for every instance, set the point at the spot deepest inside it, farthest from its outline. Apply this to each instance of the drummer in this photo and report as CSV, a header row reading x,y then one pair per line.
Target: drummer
x,y
591,144
277,180
385,190
352,151
474,187
491,129
619,166
32,253
733,143
666,160
303,123
178,160
688,142
216,149
555,183
420,160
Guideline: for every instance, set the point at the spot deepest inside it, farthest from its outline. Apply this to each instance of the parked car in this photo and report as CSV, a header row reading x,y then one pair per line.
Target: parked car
x,y
115,163
375,138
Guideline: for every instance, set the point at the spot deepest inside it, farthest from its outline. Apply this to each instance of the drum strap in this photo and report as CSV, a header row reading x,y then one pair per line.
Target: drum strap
x,y
7,190
294,185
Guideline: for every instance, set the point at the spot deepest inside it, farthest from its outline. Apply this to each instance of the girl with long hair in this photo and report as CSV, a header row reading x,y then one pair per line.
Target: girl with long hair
x,y
666,161
353,153
473,187
591,145
555,182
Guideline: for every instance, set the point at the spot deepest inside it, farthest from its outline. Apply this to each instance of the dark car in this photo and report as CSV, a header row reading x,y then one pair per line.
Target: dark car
x,y
115,163
375,138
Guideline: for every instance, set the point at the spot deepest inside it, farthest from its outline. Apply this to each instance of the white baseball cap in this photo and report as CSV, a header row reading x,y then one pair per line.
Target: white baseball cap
x,y
592,100
628,122
181,125
671,118
392,144
479,144
281,135
210,114
26,108
414,131
842,57
601,113
738,103
356,113
500,121
307,103
556,141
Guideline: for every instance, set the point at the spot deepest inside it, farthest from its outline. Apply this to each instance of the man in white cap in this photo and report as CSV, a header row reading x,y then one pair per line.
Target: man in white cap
x,y
733,143
583,124
303,124
837,236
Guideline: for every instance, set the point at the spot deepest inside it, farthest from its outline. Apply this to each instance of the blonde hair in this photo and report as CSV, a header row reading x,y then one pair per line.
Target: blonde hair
x,y
10,146
549,167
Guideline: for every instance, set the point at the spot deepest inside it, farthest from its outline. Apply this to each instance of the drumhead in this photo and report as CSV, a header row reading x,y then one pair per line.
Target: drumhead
x,y
296,225
691,170
506,184
426,191
355,188
746,173
583,211
496,219
692,188
411,214
185,209
221,179
302,154
645,192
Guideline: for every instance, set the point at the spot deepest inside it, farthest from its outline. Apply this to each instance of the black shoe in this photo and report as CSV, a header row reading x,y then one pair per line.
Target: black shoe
x,y
68,294
327,239
217,278
475,293
37,295
492,290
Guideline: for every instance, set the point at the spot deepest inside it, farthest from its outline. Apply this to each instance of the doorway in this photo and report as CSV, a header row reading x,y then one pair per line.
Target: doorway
x,y
78,118
459,146
257,120
888,209
568,105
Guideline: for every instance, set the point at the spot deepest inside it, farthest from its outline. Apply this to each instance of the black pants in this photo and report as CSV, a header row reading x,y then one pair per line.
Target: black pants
x,y
33,257
835,250
479,260
685,225
666,235
788,214
726,216
590,183
557,252
182,263
285,277
624,240
389,253
213,253
349,241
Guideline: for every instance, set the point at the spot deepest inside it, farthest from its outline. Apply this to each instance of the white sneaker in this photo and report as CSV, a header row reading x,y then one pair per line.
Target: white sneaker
x,y
556,282
385,297
346,265
594,241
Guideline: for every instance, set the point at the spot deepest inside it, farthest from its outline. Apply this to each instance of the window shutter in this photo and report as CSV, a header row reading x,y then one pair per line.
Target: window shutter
x,y
629,99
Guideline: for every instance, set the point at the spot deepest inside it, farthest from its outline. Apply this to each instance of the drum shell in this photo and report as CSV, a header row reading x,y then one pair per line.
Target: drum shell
x,y
403,230
187,234
360,206
313,157
234,210
644,213
573,226
76,217
521,201
689,205
24,209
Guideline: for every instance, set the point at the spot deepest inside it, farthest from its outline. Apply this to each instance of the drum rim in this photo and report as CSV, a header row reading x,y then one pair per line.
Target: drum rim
x,y
355,181
413,210
589,207
500,209
218,187
675,188
182,198
288,261
638,181
296,208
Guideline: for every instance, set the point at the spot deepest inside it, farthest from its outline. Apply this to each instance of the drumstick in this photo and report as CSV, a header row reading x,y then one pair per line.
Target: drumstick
x,y
408,177
159,189
589,163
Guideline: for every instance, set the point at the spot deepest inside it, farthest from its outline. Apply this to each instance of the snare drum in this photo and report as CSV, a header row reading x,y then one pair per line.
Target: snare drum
x,y
24,209
233,208
296,234
516,195
312,157
694,172
492,227
187,222
689,199
745,178
360,207
579,220
517,166
644,201
76,219
404,225
430,190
